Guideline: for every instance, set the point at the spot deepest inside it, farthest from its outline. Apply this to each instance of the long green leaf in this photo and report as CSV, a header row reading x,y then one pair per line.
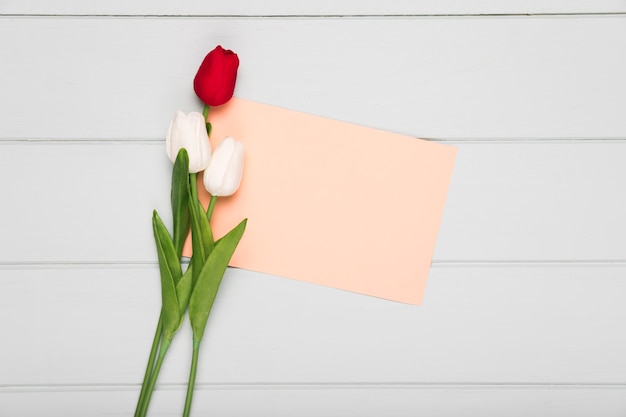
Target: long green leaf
x,y
210,278
169,267
180,200
201,235
198,256
183,291
205,231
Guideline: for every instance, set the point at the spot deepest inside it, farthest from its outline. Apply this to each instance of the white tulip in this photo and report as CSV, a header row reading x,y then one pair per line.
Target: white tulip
x,y
189,131
223,176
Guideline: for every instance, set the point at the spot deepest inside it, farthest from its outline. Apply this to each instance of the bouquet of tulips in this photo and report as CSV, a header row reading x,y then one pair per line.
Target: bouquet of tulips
x,y
194,289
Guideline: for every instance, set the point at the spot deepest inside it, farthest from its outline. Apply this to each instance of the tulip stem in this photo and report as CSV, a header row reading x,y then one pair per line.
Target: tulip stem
x,y
192,378
205,112
149,366
193,181
165,344
209,212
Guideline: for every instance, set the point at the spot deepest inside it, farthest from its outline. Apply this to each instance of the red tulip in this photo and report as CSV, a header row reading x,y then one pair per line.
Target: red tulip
x,y
215,81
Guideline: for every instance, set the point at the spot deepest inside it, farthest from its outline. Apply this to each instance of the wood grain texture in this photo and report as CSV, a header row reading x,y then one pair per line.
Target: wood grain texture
x,y
315,401
513,201
508,77
523,313
307,8
536,325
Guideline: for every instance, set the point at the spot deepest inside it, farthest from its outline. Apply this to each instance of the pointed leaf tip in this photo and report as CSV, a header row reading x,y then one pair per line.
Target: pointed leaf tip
x,y
210,278
179,200
171,273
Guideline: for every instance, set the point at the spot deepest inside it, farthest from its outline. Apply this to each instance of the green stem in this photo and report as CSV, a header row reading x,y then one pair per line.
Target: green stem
x,y
205,112
209,211
192,378
165,344
150,365
193,179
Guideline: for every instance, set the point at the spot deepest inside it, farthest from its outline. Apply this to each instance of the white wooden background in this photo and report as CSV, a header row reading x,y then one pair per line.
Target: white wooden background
x,y
524,312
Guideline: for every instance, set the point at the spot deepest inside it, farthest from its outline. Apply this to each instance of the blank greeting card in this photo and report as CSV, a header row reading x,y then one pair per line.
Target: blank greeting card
x,y
333,203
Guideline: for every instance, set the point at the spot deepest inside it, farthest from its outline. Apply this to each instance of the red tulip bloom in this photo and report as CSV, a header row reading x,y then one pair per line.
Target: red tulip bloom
x,y
214,83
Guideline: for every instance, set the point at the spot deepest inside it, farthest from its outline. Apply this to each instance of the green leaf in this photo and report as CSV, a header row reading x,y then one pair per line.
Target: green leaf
x,y
183,291
180,200
201,235
210,278
169,267
205,231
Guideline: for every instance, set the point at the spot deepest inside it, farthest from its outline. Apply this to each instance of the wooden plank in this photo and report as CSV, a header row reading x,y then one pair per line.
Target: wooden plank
x,y
307,8
537,201
316,401
508,77
77,325
92,202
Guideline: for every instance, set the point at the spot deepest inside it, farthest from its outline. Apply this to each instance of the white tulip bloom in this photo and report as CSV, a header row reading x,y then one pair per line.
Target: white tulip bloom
x,y
223,176
189,131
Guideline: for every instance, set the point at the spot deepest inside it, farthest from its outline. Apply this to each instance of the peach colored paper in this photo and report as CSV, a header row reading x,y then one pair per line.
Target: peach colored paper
x,y
333,203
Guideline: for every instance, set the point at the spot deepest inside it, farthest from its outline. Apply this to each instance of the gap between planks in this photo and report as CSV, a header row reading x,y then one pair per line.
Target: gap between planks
x,y
435,264
161,141
278,386
311,16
